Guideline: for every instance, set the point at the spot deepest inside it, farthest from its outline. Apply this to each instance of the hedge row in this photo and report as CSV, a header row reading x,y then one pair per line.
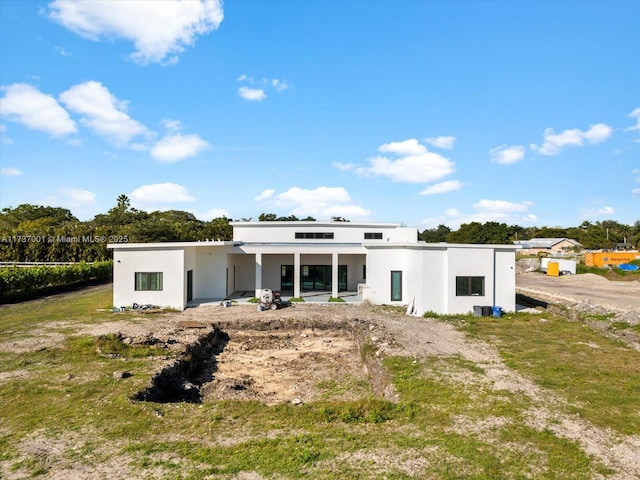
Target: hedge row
x,y
24,282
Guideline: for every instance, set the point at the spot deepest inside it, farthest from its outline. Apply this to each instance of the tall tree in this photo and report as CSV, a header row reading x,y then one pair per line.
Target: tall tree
x,y
435,235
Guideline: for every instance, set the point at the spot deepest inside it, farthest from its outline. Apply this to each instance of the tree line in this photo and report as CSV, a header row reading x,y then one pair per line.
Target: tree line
x,y
33,233
607,234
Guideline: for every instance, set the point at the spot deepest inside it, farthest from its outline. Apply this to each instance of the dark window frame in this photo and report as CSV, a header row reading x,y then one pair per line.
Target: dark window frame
x,y
467,286
396,293
148,282
373,235
314,235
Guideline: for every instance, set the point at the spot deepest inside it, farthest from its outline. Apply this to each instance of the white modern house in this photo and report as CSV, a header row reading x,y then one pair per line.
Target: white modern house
x,y
383,263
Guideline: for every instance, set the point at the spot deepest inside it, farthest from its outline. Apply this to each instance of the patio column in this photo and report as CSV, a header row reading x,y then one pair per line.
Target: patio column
x,y
296,275
258,274
334,275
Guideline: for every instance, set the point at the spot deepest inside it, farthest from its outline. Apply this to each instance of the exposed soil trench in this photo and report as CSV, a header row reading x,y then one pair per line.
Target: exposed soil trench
x,y
273,362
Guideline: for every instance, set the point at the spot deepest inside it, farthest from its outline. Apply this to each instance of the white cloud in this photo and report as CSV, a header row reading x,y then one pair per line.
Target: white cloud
x,y
172,126
635,192
10,171
486,210
406,147
344,166
265,195
555,142
213,213
279,85
252,94
635,115
255,90
102,112
160,194
35,110
506,155
501,206
77,197
5,139
321,203
599,212
442,187
62,51
441,142
74,199
176,147
159,29
415,165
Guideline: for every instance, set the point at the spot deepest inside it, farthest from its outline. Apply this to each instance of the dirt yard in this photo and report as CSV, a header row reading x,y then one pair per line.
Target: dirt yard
x,y
585,288
590,298
278,356
283,355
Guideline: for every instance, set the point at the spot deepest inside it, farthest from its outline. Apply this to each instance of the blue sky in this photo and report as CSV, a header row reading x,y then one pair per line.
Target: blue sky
x,y
419,112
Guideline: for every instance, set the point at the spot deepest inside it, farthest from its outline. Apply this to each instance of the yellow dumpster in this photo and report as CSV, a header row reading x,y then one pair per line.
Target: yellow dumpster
x,y
553,269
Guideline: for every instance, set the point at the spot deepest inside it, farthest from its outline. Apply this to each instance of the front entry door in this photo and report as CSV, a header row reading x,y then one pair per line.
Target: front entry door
x,y
189,285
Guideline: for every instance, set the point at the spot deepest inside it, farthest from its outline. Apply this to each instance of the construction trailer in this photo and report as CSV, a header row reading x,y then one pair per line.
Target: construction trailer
x,y
606,259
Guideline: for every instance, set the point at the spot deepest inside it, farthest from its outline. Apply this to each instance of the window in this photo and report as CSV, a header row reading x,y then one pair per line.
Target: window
x,y
315,235
373,235
396,285
364,271
469,286
148,280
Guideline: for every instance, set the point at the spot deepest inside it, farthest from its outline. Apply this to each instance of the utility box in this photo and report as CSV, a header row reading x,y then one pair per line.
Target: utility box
x,y
553,269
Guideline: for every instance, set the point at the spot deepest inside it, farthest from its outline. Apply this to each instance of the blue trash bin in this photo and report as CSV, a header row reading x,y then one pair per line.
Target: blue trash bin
x,y
497,311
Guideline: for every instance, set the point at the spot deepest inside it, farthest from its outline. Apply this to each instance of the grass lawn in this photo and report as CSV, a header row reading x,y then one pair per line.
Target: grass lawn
x,y
62,410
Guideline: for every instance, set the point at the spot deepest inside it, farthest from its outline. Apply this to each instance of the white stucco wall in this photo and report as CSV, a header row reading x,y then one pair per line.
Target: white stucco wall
x,y
242,272
431,268
505,279
380,263
469,262
343,232
271,274
429,276
210,276
169,261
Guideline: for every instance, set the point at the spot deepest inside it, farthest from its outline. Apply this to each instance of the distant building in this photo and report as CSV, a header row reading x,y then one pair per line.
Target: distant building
x,y
549,246
383,263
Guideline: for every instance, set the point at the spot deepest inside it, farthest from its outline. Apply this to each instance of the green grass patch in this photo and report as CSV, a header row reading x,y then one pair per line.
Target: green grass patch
x,y
596,316
22,318
112,345
613,274
336,299
600,377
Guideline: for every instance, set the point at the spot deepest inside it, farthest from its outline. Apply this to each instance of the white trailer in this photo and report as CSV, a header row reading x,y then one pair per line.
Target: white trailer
x,y
566,267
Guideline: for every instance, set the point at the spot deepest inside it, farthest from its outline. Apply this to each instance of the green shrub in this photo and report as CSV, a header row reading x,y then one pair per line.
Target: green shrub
x,y
23,282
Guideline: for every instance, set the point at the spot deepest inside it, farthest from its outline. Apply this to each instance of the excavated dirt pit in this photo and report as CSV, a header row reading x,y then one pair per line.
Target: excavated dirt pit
x,y
271,362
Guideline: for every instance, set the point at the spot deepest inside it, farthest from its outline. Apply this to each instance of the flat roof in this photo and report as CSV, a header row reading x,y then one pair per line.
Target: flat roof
x,y
306,223
442,245
210,243
378,244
